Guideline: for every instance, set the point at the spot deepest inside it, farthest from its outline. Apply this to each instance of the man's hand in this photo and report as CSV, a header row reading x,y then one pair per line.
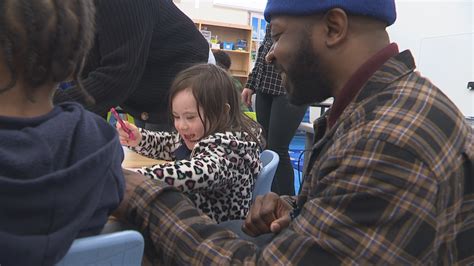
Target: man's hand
x,y
247,96
269,213
132,180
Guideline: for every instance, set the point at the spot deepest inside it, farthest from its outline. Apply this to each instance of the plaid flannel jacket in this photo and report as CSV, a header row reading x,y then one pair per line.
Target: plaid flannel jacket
x,y
264,78
392,182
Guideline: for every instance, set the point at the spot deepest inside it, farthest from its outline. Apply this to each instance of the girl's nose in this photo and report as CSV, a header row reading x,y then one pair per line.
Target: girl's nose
x,y
181,125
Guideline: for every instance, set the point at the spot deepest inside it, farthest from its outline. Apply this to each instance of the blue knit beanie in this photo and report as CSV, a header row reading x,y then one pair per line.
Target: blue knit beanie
x,y
380,9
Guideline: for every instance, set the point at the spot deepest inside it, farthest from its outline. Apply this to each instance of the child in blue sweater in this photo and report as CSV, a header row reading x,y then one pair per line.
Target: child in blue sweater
x,y
221,143
60,166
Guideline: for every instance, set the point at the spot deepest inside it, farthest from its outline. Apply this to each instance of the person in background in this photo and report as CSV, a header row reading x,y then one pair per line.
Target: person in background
x,y
221,146
60,166
279,118
223,60
139,48
391,172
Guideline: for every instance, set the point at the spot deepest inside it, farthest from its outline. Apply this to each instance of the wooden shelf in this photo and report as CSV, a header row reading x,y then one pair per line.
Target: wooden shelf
x,y
226,32
220,24
232,51
240,75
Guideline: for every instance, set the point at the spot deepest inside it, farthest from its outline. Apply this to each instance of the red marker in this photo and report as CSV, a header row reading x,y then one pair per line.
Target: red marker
x,y
122,124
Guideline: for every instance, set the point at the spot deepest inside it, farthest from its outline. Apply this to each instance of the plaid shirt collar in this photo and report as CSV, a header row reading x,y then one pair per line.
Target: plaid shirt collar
x,y
383,76
358,79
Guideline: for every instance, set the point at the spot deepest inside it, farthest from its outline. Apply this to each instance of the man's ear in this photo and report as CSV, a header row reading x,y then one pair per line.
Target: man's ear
x,y
336,23
227,108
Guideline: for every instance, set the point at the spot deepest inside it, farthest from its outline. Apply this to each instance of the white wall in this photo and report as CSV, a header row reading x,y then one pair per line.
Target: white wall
x,y
440,35
206,10
251,5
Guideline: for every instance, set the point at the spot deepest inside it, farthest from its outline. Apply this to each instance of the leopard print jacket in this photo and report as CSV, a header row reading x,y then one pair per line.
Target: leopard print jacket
x,y
219,177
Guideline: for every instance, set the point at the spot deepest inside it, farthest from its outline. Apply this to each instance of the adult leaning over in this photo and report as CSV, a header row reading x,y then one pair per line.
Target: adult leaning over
x,y
391,172
139,48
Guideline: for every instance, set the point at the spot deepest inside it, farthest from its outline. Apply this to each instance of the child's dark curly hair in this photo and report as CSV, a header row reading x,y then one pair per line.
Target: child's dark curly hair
x,y
45,40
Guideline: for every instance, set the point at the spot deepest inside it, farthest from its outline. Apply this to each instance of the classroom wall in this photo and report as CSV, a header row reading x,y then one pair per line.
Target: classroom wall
x,y
440,35
206,10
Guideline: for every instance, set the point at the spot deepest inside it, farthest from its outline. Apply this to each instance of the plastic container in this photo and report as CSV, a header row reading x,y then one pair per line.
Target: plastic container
x,y
228,45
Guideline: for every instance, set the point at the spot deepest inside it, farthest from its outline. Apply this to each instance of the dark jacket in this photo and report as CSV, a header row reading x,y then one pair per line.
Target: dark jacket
x,y
140,46
60,177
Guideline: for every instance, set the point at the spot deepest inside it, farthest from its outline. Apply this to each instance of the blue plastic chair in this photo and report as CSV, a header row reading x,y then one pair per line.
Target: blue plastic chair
x,y
119,248
263,185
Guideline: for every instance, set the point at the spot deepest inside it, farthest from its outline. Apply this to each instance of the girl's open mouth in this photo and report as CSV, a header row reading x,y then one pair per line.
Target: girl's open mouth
x,y
189,137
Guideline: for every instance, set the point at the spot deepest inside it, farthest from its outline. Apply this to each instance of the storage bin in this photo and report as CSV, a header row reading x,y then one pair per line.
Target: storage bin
x,y
228,45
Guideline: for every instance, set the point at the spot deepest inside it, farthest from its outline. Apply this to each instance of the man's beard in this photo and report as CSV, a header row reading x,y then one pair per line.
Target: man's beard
x,y
304,80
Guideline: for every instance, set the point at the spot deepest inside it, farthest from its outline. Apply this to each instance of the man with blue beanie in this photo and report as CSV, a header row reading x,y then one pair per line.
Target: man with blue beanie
x,y
390,178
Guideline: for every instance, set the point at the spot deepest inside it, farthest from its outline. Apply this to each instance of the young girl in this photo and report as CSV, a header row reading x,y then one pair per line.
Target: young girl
x,y
60,166
221,143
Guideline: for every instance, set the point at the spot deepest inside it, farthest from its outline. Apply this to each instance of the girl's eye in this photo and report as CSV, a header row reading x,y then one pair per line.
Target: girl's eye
x,y
190,117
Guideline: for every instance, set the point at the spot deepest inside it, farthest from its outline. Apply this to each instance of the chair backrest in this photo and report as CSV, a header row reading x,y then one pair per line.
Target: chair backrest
x,y
119,248
263,185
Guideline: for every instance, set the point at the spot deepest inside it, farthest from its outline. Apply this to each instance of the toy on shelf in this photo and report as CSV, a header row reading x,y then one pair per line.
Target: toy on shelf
x,y
228,45
241,45
215,44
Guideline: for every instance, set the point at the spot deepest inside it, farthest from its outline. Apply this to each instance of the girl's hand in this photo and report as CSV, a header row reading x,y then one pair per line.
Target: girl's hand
x,y
125,139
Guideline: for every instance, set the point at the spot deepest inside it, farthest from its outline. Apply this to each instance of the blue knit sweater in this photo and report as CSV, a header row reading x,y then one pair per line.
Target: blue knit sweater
x,y
60,177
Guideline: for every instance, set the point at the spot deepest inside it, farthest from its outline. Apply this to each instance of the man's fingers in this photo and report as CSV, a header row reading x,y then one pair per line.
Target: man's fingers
x,y
256,218
280,224
254,224
268,208
248,228
262,213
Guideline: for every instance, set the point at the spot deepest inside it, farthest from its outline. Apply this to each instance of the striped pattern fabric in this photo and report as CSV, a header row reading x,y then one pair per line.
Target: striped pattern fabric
x,y
392,182
264,78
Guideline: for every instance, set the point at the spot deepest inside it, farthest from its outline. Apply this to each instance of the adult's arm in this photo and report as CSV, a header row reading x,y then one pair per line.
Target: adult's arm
x,y
124,33
375,206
